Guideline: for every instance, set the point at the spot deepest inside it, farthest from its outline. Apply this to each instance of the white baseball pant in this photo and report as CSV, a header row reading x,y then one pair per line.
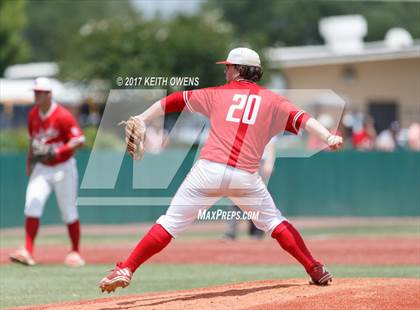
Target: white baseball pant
x,y
63,179
209,181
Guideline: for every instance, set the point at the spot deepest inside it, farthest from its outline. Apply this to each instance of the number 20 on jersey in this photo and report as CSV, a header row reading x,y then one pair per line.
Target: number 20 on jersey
x,y
251,104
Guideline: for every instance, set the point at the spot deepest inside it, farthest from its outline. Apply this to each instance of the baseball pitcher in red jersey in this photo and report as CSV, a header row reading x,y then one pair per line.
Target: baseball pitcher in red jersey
x,y
54,137
243,118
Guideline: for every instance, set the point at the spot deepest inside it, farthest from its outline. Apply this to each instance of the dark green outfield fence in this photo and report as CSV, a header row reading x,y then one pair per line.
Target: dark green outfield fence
x,y
328,184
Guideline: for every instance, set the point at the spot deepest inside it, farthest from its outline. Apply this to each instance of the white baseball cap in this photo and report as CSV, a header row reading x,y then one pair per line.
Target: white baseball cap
x,y
42,84
242,56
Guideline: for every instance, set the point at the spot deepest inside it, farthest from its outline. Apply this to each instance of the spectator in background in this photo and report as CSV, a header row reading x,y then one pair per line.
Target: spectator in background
x,y
90,114
414,137
388,139
364,139
6,116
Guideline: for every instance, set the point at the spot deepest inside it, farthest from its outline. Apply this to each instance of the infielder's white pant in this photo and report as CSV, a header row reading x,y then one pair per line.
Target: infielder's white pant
x,y
206,183
61,178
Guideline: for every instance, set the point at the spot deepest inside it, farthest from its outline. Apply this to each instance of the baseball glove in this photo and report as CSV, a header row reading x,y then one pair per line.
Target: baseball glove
x,y
135,130
41,151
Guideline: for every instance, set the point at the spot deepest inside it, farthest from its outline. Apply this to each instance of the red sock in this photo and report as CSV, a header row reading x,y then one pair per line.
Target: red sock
x,y
31,229
291,241
152,243
74,234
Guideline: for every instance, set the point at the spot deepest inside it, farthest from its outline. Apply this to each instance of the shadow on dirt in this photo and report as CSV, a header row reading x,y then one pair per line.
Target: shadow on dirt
x,y
208,295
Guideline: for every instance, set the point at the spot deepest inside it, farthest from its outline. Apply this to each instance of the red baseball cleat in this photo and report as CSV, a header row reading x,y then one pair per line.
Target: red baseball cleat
x,y
320,275
119,277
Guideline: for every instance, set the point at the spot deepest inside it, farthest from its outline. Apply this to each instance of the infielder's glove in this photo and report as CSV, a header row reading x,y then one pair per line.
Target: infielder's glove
x,y
41,151
135,130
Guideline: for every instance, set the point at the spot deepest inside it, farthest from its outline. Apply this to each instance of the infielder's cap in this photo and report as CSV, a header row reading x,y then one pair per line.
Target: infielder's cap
x,y
42,84
242,56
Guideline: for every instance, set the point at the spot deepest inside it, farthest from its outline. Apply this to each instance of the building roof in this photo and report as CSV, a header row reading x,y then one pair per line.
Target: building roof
x,y
31,70
19,91
316,55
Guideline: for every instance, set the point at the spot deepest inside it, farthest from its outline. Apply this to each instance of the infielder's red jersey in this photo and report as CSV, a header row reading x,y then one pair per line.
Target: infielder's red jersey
x,y
243,118
56,127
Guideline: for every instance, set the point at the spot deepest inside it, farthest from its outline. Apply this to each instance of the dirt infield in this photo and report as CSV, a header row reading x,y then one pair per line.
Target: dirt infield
x,y
275,294
345,250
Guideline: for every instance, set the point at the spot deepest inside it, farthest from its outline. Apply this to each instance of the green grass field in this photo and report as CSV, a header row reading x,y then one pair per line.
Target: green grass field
x,y
21,285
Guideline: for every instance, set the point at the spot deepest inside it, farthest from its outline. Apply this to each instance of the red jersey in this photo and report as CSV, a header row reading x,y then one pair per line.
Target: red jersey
x,y
243,118
362,140
56,127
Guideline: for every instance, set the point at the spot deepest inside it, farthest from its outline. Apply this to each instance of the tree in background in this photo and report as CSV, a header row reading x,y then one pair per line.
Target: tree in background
x,y
183,46
52,24
294,23
12,22
108,38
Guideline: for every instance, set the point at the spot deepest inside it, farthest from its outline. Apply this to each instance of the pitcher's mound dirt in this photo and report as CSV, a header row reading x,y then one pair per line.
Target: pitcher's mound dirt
x,y
274,294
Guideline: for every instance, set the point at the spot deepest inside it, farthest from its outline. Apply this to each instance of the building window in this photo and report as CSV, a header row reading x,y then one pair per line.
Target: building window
x,y
349,74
